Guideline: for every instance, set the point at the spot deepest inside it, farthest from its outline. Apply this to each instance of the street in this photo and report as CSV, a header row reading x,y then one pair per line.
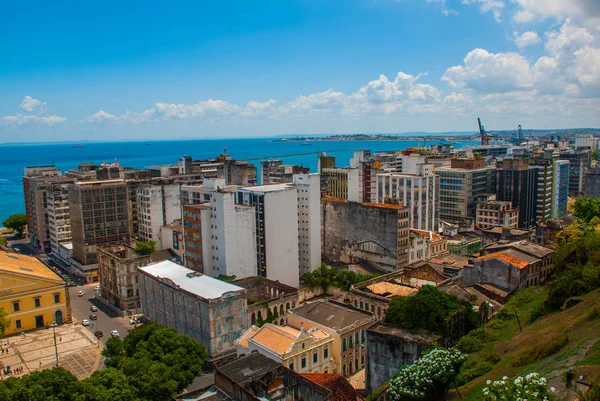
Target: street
x,y
107,319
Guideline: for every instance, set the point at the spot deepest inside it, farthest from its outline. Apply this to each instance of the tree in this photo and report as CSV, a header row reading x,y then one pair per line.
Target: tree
x,y
55,384
16,222
113,351
429,378
4,322
326,276
430,309
586,209
145,248
108,384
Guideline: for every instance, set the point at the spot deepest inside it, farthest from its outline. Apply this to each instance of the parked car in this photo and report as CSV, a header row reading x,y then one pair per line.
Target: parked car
x,y
134,321
114,333
94,308
98,334
93,317
85,322
81,293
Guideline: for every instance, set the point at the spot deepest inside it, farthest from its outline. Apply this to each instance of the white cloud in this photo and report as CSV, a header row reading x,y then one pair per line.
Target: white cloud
x,y
495,6
30,104
21,119
486,72
528,10
102,116
526,39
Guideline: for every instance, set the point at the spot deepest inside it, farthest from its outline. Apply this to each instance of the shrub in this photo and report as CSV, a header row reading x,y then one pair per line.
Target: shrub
x,y
531,387
474,371
542,350
469,344
538,311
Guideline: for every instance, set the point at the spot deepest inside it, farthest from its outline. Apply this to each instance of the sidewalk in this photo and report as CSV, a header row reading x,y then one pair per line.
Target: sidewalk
x,y
78,351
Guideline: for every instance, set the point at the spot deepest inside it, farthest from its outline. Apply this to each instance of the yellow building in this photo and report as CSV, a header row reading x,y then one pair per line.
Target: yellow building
x,y
31,294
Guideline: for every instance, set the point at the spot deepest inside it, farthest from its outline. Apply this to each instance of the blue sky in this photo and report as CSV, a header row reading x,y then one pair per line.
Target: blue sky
x,y
118,70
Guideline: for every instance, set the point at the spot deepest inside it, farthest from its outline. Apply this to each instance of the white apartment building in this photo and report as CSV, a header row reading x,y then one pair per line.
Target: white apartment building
x,y
276,211
416,188
228,231
586,141
309,221
59,217
158,205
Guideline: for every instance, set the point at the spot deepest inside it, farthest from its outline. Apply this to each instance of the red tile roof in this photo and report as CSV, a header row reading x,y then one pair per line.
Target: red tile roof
x,y
336,383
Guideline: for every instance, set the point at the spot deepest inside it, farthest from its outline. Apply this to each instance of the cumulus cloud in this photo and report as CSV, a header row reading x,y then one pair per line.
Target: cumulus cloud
x,y
526,39
21,119
102,116
495,6
30,104
529,10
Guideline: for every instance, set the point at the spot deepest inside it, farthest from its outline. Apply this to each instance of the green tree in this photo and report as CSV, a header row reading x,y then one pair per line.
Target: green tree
x,y
113,351
226,278
108,384
326,276
430,309
145,248
586,209
55,384
16,222
4,321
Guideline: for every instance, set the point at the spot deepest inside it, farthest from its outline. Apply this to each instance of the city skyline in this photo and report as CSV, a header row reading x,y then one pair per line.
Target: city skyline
x,y
236,70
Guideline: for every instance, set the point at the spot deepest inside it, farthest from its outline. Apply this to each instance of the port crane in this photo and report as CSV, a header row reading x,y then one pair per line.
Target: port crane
x,y
485,137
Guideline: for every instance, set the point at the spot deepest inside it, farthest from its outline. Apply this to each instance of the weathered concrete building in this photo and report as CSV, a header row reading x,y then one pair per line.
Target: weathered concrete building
x,y
498,234
377,233
208,310
390,349
118,275
158,204
268,298
592,183
494,213
275,172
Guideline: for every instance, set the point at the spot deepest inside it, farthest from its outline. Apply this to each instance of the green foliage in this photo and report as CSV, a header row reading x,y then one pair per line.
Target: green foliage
x,y
586,209
532,387
542,350
16,222
152,363
429,378
4,321
226,278
430,309
145,248
325,277
538,311
477,367
475,340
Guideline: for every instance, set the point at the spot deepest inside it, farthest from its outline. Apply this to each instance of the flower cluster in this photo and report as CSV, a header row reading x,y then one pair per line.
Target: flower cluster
x,y
428,377
532,387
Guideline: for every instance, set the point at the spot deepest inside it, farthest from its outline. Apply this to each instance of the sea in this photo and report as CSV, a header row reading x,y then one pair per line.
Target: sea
x,y
15,157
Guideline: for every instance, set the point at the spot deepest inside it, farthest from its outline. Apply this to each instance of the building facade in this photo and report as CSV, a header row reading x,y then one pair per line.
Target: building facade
x,y
377,233
208,310
518,183
99,216
158,204
31,294
579,162
494,213
309,221
118,275
275,172
59,216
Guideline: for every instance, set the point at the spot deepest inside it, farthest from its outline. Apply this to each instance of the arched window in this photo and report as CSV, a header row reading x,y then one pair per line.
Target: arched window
x,y
344,346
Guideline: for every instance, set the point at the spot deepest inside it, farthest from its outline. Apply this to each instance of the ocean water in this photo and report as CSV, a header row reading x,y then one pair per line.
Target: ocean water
x,y
139,155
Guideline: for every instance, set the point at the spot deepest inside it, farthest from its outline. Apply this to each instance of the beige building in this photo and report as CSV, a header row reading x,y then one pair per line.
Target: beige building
x,y
299,350
425,245
347,327
494,213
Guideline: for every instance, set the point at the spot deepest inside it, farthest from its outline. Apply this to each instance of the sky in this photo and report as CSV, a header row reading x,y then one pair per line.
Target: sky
x,y
133,70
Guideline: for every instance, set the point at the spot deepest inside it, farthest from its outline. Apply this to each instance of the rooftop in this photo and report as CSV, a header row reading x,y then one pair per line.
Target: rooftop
x,y
378,205
422,233
419,336
329,314
189,280
26,265
245,368
511,256
279,339
268,188
340,388
98,182
525,246
513,231
389,289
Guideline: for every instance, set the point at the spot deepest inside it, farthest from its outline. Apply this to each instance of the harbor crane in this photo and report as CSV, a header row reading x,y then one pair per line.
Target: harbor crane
x,y
485,137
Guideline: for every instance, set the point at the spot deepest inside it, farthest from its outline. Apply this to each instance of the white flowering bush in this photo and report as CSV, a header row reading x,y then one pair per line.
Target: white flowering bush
x,y
429,378
532,387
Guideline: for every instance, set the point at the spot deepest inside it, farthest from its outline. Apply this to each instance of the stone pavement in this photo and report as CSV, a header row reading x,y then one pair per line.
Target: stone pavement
x,y
78,351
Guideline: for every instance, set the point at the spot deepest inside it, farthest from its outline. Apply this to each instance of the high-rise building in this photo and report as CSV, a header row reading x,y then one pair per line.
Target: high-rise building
x,y
37,183
275,172
309,221
219,236
460,185
276,213
517,182
562,185
579,162
158,204
99,216
59,216
416,188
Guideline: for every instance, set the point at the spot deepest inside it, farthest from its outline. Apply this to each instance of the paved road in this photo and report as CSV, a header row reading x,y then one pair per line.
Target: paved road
x,y
107,319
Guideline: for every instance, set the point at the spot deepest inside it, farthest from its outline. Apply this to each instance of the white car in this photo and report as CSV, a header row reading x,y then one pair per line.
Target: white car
x,y
85,322
81,293
114,333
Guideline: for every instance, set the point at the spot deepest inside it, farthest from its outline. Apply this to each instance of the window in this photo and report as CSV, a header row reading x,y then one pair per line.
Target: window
x,y
303,364
17,324
362,339
36,302
351,343
344,345
356,364
16,307
326,353
315,357
56,298
291,366
344,369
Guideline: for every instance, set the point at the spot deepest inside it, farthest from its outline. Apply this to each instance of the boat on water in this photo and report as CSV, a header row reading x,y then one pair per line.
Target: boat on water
x,y
78,146
306,143
149,143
